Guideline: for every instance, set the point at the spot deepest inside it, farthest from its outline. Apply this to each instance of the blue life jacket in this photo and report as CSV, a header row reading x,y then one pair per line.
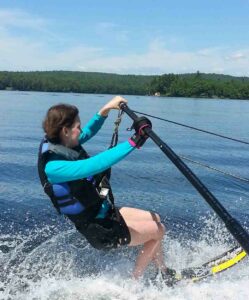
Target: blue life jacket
x,y
83,196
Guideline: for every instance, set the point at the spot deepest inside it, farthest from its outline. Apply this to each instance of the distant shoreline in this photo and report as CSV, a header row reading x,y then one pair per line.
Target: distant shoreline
x,y
102,95
196,85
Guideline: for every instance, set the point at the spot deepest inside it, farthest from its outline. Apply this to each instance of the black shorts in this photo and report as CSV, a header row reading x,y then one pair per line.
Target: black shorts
x,y
109,232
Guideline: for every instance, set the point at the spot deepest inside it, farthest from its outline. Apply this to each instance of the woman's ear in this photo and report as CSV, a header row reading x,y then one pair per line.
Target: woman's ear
x,y
64,131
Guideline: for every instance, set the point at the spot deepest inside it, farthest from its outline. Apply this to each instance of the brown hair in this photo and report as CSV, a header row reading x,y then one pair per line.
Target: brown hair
x,y
57,117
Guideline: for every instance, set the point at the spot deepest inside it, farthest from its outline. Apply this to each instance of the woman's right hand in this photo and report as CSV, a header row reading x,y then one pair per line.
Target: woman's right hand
x,y
112,104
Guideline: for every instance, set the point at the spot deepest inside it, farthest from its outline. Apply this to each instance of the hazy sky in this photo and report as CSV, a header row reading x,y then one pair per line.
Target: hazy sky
x,y
126,37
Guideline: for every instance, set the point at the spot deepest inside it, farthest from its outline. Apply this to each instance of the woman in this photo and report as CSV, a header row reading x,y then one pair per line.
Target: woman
x,y
78,185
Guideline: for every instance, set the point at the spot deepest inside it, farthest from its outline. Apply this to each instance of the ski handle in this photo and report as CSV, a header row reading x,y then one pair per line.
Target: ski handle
x,y
233,226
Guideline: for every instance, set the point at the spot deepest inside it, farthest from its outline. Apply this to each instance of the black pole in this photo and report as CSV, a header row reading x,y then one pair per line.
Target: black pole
x,y
231,223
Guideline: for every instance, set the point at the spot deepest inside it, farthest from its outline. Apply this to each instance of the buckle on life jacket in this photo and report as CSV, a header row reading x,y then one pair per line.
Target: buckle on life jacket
x,y
104,188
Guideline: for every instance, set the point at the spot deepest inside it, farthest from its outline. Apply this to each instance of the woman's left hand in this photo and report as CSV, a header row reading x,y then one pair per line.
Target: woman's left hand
x,y
112,104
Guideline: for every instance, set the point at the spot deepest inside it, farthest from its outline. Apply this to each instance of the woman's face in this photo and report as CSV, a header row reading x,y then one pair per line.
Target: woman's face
x,y
70,136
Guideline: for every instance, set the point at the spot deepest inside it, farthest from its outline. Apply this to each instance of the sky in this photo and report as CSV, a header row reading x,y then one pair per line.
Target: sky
x,y
126,37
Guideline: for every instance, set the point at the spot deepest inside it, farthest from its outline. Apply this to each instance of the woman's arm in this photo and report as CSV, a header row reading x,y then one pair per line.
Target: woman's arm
x,y
94,125
113,104
91,128
62,171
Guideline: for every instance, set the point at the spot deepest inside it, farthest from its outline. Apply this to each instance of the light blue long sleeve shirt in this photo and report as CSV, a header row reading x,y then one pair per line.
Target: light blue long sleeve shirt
x,y
59,171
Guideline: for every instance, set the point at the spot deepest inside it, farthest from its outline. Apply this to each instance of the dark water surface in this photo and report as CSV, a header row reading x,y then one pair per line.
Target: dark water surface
x,y
41,255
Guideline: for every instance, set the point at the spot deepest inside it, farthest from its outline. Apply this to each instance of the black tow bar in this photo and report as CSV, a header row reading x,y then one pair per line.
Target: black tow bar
x,y
233,226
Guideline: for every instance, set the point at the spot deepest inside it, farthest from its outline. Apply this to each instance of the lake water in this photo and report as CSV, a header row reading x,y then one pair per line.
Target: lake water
x,y
41,254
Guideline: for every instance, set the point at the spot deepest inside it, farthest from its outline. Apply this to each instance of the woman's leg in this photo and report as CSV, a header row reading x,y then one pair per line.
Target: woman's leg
x,y
131,213
145,228
137,214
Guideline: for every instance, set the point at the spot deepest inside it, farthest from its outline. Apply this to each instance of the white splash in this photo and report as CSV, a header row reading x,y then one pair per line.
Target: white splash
x,y
64,267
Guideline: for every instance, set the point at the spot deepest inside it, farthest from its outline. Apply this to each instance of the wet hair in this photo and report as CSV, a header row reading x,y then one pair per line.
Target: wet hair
x,y
57,117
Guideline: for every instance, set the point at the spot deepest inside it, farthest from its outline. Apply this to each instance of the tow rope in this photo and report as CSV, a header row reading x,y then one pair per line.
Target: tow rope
x,y
195,128
114,139
226,173
235,176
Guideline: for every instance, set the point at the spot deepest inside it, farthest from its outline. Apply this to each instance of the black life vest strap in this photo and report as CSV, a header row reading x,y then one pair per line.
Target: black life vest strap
x,y
63,197
111,197
69,202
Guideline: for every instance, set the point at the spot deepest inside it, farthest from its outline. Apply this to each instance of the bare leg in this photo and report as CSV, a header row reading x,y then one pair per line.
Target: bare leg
x,y
145,256
158,259
137,214
145,228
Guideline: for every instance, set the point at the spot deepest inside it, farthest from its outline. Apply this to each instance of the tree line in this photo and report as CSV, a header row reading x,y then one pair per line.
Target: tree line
x,y
77,82
201,86
184,85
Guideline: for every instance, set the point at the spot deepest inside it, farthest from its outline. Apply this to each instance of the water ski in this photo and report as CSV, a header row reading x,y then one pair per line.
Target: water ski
x,y
195,274
219,264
